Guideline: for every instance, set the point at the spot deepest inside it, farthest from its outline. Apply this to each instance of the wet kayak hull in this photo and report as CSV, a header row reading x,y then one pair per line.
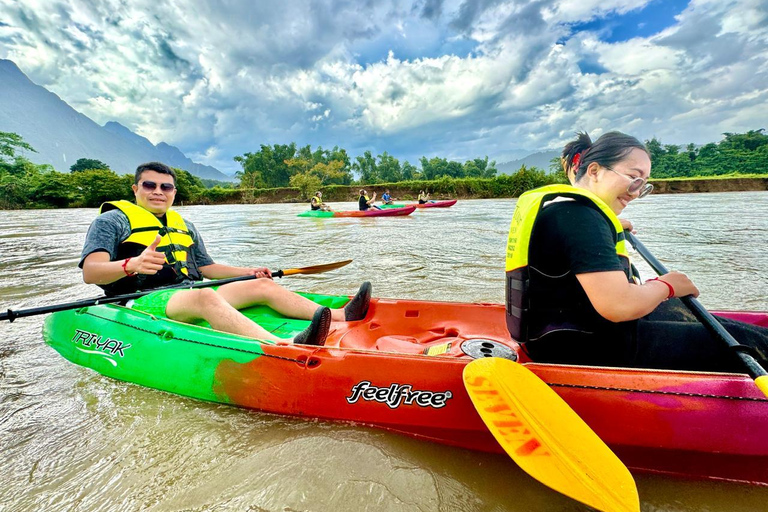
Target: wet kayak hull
x,y
400,370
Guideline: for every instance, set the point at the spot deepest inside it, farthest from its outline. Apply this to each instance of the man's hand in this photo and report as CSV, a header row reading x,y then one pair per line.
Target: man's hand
x,y
260,272
149,262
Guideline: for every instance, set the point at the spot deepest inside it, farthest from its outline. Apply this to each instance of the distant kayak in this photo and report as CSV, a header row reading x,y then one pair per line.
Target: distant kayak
x,y
389,212
432,204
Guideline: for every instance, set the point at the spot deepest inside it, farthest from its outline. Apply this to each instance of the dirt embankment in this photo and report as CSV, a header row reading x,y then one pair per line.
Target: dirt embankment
x,y
404,194
709,185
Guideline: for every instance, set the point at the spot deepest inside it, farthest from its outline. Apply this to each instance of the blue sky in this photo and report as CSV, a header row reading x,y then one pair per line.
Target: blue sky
x,y
451,78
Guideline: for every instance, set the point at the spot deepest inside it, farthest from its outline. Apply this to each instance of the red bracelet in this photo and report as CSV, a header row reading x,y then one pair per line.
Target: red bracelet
x,y
671,289
125,269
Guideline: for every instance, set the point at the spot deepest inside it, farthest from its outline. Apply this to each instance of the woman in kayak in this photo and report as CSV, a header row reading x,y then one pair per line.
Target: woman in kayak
x,y
572,293
423,197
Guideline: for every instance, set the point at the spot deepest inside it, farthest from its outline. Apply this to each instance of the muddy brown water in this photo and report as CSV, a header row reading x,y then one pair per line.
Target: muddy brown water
x,y
73,440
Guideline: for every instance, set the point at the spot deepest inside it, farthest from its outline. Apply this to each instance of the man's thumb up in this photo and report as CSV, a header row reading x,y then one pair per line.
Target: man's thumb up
x,y
153,245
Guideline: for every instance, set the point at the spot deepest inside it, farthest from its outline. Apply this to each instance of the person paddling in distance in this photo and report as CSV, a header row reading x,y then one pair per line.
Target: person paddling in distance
x,y
365,203
572,293
148,245
386,198
423,197
316,203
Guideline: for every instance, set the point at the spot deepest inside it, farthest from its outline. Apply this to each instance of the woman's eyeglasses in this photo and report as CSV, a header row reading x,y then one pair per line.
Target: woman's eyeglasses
x,y
637,186
150,186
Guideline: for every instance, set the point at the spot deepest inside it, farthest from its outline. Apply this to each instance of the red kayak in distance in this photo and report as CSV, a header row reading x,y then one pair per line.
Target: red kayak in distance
x,y
430,204
373,212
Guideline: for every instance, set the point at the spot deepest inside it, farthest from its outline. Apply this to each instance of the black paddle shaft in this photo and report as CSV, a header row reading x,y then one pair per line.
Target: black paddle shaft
x,y
12,315
704,316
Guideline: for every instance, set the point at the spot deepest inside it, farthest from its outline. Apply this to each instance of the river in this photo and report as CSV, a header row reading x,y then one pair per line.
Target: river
x,y
73,440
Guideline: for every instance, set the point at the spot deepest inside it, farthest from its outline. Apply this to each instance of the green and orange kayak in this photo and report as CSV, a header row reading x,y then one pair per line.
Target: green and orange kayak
x,y
430,204
373,212
400,369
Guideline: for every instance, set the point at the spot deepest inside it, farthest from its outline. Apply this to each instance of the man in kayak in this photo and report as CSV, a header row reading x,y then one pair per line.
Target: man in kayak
x,y
386,198
316,203
572,293
365,203
147,245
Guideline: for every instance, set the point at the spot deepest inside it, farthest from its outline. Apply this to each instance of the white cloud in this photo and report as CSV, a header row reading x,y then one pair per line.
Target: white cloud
x,y
470,79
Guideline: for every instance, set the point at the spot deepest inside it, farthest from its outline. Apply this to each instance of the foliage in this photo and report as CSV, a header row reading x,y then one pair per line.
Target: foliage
x,y
84,164
96,186
209,183
743,153
265,174
9,143
307,183
273,166
188,187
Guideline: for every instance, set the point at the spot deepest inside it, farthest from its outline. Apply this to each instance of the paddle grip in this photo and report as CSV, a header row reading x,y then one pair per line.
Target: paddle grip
x,y
704,316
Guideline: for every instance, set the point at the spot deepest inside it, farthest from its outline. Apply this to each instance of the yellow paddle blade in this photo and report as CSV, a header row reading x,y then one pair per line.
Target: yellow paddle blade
x,y
546,438
762,384
316,269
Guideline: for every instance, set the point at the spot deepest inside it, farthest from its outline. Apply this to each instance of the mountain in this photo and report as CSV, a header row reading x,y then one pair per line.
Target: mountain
x,y
540,159
61,135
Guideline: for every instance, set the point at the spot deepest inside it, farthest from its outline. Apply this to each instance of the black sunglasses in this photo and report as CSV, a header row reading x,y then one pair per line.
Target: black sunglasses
x,y
150,186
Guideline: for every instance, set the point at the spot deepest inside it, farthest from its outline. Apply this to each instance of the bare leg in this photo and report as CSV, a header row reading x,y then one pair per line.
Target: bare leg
x,y
268,293
190,305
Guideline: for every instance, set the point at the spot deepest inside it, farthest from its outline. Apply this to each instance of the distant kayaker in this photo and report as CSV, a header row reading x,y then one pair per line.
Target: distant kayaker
x,y
423,197
147,245
316,203
364,202
572,294
386,198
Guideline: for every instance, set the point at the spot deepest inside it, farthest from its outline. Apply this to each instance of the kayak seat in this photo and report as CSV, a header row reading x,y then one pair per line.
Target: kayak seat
x,y
411,345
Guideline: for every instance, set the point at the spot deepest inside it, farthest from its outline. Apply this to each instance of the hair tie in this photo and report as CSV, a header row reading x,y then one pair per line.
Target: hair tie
x,y
576,160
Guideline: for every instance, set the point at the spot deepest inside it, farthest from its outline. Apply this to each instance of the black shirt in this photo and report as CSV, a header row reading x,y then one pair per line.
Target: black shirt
x,y
571,238
363,203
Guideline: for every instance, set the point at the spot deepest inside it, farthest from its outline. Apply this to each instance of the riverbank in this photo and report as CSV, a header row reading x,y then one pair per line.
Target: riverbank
x,y
468,189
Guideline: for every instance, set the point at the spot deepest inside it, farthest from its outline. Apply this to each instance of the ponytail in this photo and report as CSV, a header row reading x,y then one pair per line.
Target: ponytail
x,y
573,154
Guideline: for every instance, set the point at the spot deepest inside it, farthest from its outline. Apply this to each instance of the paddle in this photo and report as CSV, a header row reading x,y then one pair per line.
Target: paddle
x,y
546,438
755,370
11,315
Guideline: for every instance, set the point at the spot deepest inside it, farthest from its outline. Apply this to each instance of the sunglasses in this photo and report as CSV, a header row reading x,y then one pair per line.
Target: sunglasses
x,y
637,186
150,186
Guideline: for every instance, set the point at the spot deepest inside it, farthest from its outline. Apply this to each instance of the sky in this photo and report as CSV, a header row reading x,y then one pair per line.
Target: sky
x,y
454,79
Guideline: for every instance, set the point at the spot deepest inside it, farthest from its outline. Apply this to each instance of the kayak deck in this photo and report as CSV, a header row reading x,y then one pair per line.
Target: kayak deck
x,y
400,369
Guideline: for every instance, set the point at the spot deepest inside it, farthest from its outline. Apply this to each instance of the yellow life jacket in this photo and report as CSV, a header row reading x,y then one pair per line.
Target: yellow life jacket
x,y
315,203
529,205
175,243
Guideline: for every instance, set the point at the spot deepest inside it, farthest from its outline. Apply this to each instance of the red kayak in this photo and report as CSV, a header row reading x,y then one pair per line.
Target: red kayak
x,y
373,212
436,204
401,367
430,204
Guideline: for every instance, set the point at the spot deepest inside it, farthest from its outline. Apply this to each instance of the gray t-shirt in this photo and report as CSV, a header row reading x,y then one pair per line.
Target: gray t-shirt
x,y
110,229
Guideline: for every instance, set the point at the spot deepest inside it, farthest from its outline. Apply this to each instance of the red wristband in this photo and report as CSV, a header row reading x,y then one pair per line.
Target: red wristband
x,y
671,289
125,269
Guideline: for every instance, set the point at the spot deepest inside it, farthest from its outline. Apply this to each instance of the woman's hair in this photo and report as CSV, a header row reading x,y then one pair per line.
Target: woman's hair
x,y
610,148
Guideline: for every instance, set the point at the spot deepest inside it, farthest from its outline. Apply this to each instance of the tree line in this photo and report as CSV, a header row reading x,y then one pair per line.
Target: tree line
x,y
90,182
286,165
737,153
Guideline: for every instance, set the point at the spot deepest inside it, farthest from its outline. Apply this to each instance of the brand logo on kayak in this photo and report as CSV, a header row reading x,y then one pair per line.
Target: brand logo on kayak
x,y
110,346
398,394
